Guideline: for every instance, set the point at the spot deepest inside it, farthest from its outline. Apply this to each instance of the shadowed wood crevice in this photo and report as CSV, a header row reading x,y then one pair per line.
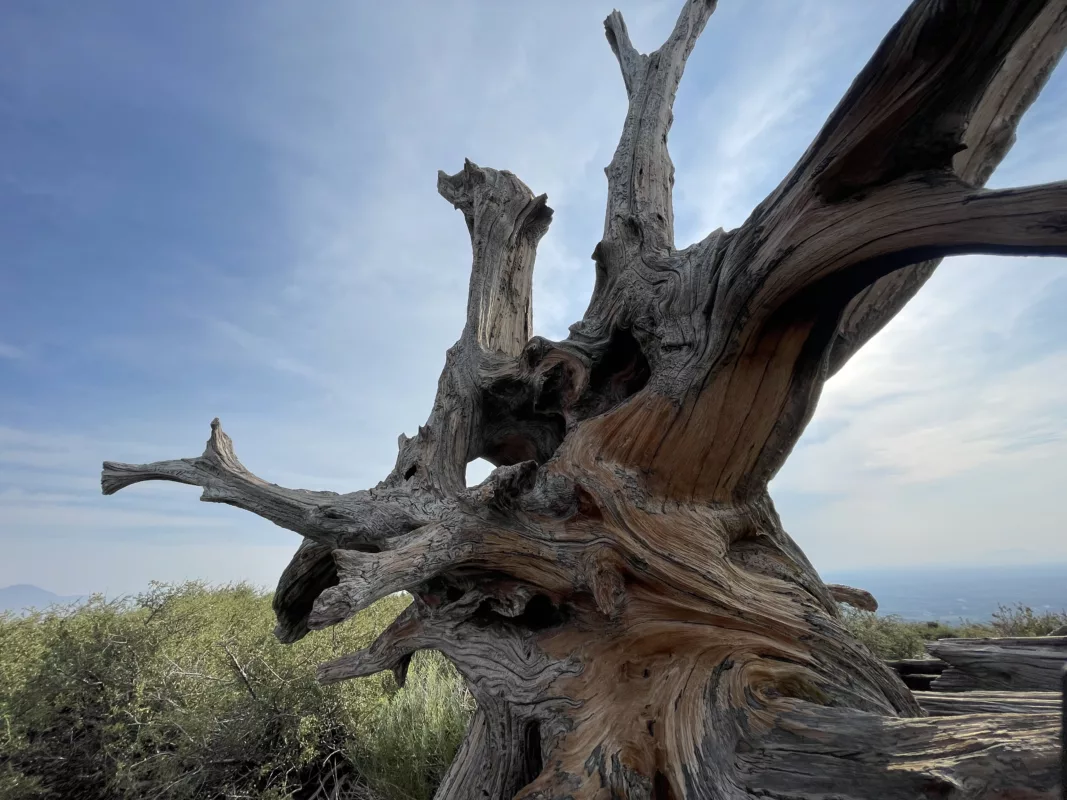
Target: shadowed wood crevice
x,y
620,594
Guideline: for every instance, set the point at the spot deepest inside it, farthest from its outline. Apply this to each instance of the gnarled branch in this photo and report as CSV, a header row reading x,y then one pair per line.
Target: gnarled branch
x,y
358,520
910,107
910,221
857,598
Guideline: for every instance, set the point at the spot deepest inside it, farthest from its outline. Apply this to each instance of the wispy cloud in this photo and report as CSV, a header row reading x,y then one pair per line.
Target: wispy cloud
x,y
11,352
255,234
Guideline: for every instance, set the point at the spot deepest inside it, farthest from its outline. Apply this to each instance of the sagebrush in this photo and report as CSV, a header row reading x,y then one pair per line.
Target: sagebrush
x,y
183,692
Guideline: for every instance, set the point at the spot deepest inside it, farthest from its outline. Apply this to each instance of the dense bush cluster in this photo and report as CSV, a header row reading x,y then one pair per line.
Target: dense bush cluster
x,y
185,693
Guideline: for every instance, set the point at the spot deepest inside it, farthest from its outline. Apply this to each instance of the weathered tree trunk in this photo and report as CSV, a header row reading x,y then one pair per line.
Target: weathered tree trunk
x,y
620,594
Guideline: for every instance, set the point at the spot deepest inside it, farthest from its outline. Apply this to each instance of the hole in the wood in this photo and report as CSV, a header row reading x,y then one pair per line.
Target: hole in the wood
x,y
453,593
514,430
541,613
661,787
621,372
477,471
532,757
411,472
294,605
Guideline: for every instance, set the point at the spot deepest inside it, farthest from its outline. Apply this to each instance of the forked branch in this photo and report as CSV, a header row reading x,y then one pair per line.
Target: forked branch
x,y
640,210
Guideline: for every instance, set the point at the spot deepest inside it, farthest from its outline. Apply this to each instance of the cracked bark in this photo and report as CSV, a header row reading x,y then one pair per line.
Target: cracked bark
x,y
620,594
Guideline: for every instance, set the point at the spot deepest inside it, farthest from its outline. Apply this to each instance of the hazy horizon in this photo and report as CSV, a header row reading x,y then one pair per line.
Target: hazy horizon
x,y
230,211
944,593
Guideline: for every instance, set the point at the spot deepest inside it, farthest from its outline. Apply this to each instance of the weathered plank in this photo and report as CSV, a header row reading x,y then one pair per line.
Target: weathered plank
x,y
1009,664
951,704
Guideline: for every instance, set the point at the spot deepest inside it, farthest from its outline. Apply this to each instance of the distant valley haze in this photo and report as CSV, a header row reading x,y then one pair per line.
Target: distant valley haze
x,y
941,593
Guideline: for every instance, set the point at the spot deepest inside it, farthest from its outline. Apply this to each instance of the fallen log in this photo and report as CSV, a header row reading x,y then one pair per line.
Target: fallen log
x,y
818,752
1009,664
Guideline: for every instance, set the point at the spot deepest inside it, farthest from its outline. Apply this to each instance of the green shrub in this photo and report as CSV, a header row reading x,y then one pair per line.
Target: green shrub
x,y
1020,620
891,637
184,693
888,637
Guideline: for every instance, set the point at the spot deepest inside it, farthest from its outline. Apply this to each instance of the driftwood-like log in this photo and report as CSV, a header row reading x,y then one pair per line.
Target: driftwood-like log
x,y
620,594
1032,664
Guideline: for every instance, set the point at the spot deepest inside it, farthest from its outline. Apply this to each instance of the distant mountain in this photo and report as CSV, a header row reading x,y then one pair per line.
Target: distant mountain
x,y
23,597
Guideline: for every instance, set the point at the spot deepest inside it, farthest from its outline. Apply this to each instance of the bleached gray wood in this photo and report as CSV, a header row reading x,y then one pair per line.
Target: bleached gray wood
x,y
989,135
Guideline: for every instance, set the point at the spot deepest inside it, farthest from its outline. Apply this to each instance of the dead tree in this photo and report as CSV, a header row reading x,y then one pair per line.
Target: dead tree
x,y
619,594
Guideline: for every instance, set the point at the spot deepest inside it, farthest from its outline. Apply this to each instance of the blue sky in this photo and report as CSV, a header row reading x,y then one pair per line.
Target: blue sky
x,y
230,210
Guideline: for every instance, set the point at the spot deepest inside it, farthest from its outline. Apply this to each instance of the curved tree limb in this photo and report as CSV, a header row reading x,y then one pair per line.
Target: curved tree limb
x,y
989,135
910,107
857,598
910,221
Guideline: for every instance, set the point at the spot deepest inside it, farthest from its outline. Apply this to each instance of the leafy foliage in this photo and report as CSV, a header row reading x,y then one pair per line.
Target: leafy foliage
x,y
184,692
